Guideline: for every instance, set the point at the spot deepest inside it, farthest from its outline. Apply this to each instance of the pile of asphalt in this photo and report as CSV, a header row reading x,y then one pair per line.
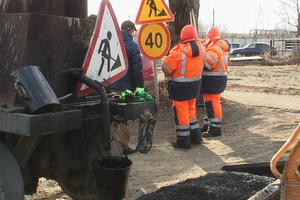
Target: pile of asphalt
x,y
214,186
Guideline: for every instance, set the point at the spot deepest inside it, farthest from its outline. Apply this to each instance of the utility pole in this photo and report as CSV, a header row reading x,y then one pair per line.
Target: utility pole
x,y
298,19
213,17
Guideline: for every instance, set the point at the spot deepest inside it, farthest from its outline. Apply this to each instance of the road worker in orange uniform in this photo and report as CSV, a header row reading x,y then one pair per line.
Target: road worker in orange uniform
x,y
184,67
214,80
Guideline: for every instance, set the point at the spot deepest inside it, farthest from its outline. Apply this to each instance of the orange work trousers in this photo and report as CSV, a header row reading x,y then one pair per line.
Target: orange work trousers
x,y
213,109
185,117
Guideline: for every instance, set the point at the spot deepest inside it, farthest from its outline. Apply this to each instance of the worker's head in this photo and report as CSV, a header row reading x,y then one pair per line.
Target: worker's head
x,y
188,32
213,32
128,26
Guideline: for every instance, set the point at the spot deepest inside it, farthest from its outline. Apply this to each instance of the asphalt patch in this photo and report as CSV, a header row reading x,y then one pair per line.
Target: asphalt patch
x,y
214,186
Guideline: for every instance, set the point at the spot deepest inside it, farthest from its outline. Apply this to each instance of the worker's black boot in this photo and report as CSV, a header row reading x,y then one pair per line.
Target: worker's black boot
x,y
183,142
196,136
213,132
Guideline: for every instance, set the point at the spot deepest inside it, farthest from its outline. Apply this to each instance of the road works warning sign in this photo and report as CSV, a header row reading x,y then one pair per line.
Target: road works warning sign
x,y
106,59
154,11
154,40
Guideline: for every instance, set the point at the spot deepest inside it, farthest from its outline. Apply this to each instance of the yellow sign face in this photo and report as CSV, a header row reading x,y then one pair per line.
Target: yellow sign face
x,y
154,11
154,40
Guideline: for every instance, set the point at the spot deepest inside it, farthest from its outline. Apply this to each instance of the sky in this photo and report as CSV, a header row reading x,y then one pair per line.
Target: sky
x,y
241,15
235,16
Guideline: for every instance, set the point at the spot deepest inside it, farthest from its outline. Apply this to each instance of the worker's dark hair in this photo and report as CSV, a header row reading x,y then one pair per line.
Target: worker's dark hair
x,y
128,25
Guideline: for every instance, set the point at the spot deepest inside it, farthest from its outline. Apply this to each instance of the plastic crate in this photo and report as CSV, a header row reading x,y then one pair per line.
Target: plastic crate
x,y
130,111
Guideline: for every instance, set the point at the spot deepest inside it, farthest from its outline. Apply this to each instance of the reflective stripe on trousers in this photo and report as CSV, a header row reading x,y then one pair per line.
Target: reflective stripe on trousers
x,y
195,127
185,117
213,109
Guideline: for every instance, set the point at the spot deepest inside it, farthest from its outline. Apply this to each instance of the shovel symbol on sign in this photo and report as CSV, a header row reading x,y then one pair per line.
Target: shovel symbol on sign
x,y
117,63
162,13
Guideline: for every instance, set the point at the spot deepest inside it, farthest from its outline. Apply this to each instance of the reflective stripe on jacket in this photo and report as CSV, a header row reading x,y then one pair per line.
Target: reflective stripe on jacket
x,y
184,66
216,66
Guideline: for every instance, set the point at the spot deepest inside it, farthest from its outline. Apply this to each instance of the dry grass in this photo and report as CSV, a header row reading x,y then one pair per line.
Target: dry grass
x,y
164,100
291,60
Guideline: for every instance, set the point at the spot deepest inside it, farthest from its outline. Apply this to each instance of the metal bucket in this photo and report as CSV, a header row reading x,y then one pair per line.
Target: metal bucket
x,y
111,176
34,90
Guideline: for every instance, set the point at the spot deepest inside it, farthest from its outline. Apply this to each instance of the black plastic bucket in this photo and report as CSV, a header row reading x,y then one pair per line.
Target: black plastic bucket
x,y
111,176
34,90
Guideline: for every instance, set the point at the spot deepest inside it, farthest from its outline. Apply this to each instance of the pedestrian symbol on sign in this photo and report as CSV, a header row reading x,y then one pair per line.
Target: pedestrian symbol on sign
x,y
153,8
104,49
154,11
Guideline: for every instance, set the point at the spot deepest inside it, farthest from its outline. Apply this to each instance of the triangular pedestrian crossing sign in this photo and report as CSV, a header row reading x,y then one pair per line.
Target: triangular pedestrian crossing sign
x,y
154,11
106,59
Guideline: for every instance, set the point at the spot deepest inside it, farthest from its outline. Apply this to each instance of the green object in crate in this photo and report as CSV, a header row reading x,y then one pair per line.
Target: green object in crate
x,y
143,95
127,96
139,95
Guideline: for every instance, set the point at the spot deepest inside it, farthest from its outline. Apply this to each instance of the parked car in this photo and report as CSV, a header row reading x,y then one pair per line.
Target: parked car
x,y
254,49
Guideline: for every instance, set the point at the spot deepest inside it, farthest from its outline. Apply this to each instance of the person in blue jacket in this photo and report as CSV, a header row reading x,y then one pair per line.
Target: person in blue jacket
x,y
134,76
132,79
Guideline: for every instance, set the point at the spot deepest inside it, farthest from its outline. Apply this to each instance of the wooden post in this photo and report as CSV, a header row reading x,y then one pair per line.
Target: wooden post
x,y
156,82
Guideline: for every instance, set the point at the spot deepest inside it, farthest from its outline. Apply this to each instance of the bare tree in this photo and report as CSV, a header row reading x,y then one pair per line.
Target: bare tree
x,y
290,10
185,12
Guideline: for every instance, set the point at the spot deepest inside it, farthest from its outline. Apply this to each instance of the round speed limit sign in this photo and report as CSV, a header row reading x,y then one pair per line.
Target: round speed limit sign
x,y
154,40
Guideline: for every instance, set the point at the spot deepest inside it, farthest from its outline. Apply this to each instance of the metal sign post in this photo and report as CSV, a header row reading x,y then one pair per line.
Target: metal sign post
x,y
156,84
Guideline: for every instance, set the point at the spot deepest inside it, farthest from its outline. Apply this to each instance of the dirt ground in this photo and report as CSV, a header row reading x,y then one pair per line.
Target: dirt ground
x,y
261,110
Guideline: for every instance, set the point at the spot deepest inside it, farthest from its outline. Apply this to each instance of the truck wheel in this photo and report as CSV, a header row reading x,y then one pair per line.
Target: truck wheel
x,y
11,181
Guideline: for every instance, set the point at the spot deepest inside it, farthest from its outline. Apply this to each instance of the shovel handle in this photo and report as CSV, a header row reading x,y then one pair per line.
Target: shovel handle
x,y
280,153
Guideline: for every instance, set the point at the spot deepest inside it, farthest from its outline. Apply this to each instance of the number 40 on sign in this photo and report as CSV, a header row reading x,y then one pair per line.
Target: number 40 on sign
x,y
154,40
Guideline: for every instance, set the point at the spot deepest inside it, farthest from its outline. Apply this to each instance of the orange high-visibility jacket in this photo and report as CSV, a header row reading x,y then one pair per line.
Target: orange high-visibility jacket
x,y
184,65
214,76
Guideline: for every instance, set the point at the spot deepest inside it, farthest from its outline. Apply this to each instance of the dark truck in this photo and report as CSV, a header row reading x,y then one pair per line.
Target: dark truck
x,y
63,140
